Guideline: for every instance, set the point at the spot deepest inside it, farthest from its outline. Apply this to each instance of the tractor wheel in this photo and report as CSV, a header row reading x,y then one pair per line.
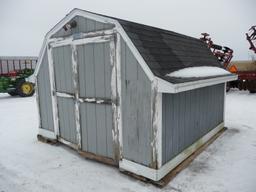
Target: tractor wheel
x,y
13,93
25,89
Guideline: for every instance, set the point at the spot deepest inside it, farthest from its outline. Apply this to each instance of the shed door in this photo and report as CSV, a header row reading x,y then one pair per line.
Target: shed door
x,y
85,94
94,76
62,60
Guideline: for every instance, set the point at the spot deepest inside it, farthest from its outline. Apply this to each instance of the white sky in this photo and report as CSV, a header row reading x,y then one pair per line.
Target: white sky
x,y
23,23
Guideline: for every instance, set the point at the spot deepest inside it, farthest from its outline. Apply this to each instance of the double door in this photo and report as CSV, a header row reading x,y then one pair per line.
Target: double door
x,y
85,84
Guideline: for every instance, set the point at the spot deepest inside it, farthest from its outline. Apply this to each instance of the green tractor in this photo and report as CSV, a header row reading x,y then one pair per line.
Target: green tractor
x,y
14,72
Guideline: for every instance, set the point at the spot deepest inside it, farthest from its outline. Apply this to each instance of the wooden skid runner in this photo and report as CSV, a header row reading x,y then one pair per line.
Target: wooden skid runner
x,y
46,140
165,180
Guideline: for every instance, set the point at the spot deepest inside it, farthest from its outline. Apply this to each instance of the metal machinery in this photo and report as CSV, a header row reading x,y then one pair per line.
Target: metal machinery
x,y
246,70
251,38
13,74
224,54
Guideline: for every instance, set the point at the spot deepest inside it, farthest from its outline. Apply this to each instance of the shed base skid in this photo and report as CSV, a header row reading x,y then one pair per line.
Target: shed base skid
x,y
184,164
98,158
46,140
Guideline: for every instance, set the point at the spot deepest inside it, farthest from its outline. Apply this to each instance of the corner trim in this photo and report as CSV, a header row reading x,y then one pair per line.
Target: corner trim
x,y
156,175
46,133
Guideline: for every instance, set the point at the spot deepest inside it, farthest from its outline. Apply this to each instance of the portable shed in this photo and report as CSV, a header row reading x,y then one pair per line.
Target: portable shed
x,y
103,89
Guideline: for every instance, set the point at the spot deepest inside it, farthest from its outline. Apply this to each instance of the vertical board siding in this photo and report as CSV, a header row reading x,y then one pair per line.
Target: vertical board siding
x,y
94,70
96,128
84,25
62,61
44,96
188,116
136,109
66,110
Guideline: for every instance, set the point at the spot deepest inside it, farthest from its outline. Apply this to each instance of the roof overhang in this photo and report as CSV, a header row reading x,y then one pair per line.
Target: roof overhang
x,y
164,86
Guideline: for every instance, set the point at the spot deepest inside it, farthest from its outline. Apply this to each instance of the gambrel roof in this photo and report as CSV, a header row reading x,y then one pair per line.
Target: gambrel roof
x,y
159,51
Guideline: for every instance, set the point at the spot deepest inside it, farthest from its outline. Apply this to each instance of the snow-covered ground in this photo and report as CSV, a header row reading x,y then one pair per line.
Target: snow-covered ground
x,y
229,164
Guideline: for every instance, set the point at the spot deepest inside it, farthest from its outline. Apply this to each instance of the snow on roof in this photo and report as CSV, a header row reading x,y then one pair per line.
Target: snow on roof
x,y
204,71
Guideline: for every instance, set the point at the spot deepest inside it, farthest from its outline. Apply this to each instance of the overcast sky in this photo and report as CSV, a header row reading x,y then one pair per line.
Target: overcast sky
x,y
23,23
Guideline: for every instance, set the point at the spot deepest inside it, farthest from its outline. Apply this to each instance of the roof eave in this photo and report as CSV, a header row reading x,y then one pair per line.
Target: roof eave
x,y
164,86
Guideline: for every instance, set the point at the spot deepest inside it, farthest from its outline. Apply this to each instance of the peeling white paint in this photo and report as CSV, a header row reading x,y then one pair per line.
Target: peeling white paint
x,y
119,94
66,95
114,98
158,124
38,103
153,120
76,88
53,91
90,100
100,101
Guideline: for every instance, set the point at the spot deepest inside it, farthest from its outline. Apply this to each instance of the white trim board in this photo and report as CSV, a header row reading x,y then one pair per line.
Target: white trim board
x,y
46,133
157,174
167,87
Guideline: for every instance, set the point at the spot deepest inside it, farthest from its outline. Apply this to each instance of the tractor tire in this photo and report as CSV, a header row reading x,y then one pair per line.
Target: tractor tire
x,y
13,93
25,89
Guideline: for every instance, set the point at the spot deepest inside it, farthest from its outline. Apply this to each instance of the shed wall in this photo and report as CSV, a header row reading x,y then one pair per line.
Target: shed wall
x,y
84,25
44,96
136,109
188,116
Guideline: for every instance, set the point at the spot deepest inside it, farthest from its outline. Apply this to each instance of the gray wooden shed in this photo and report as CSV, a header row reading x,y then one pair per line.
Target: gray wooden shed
x,y
103,89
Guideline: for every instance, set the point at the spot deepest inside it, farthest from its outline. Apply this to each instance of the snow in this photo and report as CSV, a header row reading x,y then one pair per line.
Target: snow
x,y
229,164
204,71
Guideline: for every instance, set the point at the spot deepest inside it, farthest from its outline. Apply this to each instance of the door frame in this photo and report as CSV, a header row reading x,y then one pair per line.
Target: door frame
x,y
115,55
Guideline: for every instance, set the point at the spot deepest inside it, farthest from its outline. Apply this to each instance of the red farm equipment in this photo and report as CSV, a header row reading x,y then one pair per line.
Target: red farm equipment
x,y
246,70
224,54
251,38
14,72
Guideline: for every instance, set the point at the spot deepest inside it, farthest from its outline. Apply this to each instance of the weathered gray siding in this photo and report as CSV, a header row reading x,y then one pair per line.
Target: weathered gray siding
x,y
66,111
187,116
63,69
136,109
44,96
96,129
84,25
94,70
